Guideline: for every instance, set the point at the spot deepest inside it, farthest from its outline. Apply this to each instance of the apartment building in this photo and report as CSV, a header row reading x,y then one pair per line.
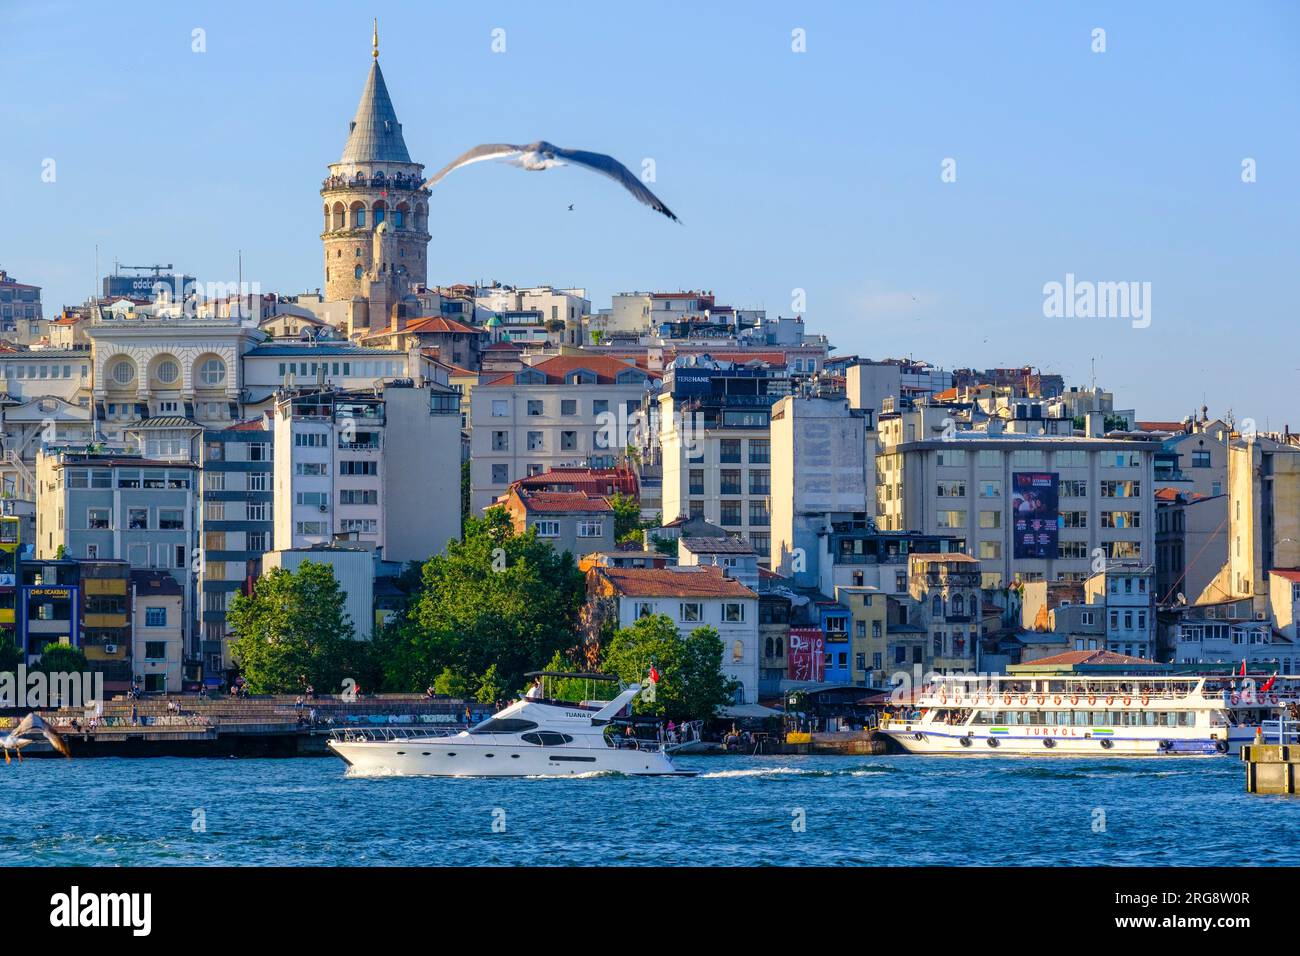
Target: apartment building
x,y
571,521
21,319
567,411
1263,518
1125,594
823,465
691,597
158,632
378,467
1029,506
946,592
111,506
236,503
1191,543
715,440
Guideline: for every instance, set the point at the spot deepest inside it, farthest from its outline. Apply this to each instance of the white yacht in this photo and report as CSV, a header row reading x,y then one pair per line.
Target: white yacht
x,y
535,736
1087,716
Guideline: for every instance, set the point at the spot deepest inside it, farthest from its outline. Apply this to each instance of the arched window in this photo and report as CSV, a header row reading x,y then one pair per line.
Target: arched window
x,y
359,217
936,606
356,273
340,216
167,371
767,648
738,651
780,647
212,372
122,372
327,218
401,216
380,209
958,605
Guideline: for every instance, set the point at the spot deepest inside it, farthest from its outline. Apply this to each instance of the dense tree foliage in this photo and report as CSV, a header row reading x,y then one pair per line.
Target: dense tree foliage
x,y
293,631
495,599
691,686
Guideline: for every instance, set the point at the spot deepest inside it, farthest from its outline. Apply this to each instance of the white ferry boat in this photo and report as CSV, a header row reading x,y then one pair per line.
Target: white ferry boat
x,y
535,736
1087,716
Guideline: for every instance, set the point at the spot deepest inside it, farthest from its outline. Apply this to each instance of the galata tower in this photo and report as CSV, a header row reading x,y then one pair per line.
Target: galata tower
x,y
375,182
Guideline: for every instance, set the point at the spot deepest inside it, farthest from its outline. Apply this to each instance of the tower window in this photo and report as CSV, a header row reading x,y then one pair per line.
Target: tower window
x,y
359,217
356,273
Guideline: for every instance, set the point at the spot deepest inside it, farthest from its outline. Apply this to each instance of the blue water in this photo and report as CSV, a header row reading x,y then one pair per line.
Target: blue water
x,y
740,810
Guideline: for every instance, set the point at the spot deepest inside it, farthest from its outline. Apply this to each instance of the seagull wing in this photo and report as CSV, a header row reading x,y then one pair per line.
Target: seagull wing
x,y
476,155
25,725
611,167
57,742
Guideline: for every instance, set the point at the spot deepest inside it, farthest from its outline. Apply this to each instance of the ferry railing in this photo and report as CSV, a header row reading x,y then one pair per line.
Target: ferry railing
x,y
1281,731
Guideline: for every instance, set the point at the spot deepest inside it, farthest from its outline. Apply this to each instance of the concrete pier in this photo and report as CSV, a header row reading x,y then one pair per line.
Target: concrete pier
x,y
1272,768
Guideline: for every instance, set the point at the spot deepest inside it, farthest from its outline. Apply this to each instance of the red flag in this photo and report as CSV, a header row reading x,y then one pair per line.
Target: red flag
x,y
654,674
1268,684
1243,667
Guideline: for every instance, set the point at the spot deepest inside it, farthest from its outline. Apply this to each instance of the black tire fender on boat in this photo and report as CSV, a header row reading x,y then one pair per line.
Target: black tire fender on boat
x,y
966,741
1107,743
1166,746
1049,743
918,736
992,741
1221,746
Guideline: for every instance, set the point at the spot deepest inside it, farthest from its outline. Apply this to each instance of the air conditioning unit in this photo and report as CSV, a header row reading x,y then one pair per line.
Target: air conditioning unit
x,y
110,648
324,508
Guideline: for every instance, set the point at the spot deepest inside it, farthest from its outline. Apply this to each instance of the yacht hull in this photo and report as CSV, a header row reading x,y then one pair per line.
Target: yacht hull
x,y
462,757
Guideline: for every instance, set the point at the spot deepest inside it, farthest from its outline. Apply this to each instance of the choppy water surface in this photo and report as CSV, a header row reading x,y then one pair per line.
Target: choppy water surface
x,y
749,811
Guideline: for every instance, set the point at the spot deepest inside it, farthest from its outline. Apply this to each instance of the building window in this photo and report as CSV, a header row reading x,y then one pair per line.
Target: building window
x,y
535,407
547,529
643,609
155,617
137,519
591,528
760,451
729,451
212,373
500,474
690,612
733,613
729,513
500,441
990,519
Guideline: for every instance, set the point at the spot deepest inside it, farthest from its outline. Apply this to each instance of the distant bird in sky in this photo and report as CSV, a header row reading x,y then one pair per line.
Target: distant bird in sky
x,y
18,738
544,155
570,207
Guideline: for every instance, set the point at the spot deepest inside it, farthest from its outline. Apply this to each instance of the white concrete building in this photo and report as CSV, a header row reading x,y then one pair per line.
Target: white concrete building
x,y
382,469
1078,499
691,597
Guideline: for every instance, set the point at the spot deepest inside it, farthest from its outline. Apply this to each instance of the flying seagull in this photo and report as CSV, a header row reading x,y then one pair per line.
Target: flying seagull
x,y
544,155
33,723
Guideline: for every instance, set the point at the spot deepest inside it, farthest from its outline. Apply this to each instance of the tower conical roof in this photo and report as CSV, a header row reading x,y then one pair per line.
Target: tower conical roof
x,y
375,135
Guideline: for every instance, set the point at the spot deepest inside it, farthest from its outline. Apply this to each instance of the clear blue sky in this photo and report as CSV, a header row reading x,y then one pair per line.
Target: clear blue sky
x,y
818,170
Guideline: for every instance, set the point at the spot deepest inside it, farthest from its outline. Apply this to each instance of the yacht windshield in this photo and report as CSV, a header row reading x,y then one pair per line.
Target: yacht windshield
x,y
503,725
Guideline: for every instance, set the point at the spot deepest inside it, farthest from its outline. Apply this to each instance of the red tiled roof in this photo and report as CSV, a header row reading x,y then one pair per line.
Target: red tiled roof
x,y
1289,574
1091,657
438,323
504,346
555,369
1161,427
674,582
562,502
251,425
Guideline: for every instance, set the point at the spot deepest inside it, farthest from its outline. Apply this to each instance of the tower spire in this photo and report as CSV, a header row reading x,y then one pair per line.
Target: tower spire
x,y
375,52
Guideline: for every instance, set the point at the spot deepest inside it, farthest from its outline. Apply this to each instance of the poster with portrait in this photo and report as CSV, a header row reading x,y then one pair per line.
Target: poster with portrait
x,y
1035,517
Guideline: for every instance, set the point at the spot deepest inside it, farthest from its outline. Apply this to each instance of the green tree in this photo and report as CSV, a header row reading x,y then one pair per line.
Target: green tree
x,y
451,684
293,631
11,654
62,659
627,518
691,686
464,495
495,597
490,688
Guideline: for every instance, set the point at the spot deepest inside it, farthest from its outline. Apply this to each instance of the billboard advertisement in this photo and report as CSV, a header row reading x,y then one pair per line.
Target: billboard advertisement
x,y
806,654
1034,514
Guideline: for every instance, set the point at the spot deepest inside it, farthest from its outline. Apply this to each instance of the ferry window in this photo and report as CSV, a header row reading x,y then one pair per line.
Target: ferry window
x,y
503,725
1081,718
